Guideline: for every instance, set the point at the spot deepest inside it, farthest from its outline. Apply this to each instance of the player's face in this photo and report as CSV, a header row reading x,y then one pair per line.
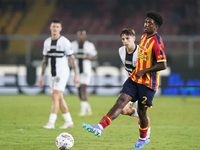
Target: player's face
x,y
149,26
55,28
128,41
82,37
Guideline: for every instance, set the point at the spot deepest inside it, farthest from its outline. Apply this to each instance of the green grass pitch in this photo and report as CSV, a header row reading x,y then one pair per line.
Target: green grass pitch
x,y
174,124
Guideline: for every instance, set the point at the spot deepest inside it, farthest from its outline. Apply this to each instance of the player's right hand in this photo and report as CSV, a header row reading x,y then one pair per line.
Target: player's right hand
x,y
40,81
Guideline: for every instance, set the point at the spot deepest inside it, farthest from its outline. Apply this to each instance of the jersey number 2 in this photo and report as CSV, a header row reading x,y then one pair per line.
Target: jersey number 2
x,y
144,101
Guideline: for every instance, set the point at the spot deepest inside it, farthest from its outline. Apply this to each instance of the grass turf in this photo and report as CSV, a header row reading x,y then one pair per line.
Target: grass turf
x,y
174,124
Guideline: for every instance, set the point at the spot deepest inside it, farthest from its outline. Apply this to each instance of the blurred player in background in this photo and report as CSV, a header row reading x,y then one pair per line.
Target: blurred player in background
x,y
55,50
128,54
85,52
142,83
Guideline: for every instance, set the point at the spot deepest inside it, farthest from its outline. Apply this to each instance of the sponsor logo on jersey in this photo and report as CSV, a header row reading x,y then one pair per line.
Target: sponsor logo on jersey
x,y
143,56
80,50
53,47
55,54
128,62
143,48
128,69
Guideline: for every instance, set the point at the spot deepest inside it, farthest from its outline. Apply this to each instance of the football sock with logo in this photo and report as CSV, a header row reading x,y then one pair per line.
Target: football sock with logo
x,y
143,132
105,121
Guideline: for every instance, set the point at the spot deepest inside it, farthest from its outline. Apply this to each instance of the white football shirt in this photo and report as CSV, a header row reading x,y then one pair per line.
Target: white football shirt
x,y
89,49
128,60
56,51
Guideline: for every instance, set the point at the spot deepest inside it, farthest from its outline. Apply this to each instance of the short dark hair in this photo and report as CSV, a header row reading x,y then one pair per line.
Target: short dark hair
x,y
158,19
81,32
127,31
56,21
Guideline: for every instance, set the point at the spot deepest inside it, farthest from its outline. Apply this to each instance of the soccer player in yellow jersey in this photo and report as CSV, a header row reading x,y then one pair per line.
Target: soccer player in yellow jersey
x,y
142,83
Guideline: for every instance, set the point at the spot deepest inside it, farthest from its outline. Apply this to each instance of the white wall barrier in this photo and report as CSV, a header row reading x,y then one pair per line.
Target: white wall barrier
x,y
106,80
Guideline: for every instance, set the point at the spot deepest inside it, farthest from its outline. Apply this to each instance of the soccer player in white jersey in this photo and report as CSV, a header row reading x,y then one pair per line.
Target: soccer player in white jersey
x,y
55,52
85,52
128,54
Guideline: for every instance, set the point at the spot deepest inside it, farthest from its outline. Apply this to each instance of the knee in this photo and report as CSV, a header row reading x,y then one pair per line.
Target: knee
x,y
56,95
124,111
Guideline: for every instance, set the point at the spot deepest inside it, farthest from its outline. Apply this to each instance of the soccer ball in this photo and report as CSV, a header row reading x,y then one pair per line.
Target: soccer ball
x,y
64,141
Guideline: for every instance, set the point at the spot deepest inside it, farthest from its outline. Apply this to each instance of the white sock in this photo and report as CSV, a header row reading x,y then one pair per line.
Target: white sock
x,y
136,104
67,117
52,118
135,114
148,132
84,105
100,126
142,138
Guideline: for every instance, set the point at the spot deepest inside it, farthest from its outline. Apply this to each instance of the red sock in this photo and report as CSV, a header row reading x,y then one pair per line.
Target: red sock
x,y
143,132
105,121
138,122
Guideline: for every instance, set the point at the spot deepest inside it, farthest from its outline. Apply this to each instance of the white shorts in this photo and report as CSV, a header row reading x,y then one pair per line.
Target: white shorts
x,y
58,83
83,79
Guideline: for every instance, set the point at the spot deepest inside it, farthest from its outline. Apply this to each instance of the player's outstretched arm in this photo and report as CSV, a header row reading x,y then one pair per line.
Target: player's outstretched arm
x,y
44,66
75,68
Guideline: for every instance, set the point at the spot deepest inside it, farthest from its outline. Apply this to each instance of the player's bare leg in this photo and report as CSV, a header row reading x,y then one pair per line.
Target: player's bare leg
x,y
121,102
55,101
59,102
131,111
54,110
65,113
85,106
143,140
142,112
114,112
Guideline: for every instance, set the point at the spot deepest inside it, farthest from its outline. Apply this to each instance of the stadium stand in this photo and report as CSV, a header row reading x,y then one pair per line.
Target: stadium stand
x,y
32,23
181,17
13,22
4,19
107,17
99,16
11,12
110,17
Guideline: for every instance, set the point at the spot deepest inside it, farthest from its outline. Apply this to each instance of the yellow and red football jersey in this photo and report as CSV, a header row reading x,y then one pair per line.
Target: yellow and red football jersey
x,y
151,51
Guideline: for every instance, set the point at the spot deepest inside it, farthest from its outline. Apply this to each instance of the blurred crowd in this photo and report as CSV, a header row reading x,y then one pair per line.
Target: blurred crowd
x,y
13,5
181,15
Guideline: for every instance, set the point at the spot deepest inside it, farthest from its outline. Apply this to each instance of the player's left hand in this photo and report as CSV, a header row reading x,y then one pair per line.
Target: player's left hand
x,y
139,74
85,56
